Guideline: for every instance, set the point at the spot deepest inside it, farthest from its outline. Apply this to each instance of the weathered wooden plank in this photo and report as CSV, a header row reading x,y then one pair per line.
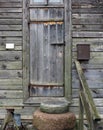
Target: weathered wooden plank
x,y
53,54
96,93
16,47
26,51
90,74
11,15
11,33
95,43
87,19
11,1
16,40
10,55
11,102
33,52
10,10
76,111
98,102
90,27
87,91
10,4
94,57
51,14
87,34
11,87
10,28
11,21
16,94
68,48
92,83
47,91
95,46
94,10
10,82
39,54
86,2
46,74
60,64
10,74
38,1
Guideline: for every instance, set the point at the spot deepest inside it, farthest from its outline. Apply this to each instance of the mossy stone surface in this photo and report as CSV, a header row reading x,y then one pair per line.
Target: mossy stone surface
x,y
54,106
45,121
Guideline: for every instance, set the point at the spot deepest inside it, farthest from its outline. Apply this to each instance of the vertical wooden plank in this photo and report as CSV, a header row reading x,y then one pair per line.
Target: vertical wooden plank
x,y
68,48
53,34
60,32
46,54
25,50
33,53
40,53
53,67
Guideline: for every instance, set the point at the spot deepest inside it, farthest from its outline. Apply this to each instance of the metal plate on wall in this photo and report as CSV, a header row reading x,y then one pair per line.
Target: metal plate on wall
x,y
83,51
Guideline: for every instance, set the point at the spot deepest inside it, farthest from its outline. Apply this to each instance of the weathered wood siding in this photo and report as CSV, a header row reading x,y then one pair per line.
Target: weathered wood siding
x,y
11,93
87,28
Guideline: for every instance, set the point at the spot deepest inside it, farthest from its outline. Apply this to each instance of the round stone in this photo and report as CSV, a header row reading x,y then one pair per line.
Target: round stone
x,y
54,106
45,121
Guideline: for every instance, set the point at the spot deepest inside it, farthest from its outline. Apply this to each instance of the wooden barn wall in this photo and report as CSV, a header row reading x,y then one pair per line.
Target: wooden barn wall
x,y
11,60
87,28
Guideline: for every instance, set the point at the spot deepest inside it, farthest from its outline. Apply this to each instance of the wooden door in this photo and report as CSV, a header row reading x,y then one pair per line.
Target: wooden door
x,y
46,48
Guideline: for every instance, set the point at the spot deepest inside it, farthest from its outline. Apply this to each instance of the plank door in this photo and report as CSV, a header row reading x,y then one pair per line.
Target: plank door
x,y
46,48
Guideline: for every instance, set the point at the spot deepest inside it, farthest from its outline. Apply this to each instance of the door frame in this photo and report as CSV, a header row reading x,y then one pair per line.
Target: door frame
x,y
68,50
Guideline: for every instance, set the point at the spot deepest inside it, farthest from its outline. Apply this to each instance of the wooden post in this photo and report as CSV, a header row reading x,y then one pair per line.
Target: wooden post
x,y
68,46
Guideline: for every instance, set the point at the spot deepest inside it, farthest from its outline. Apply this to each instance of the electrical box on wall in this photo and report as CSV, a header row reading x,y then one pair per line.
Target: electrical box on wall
x,y
83,51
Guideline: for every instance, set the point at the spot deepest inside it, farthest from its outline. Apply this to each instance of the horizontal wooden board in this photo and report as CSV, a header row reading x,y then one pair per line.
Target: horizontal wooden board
x,y
10,74
10,4
90,27
98,102
87,2
11,102
16,48
76,110
88,10
90,74
92,83
11,87
10,82
11,33
10,10
46,14
10,55
11,1
16,94
47,91
10,15
11,21
11,39
96,60
87,19
95,44
96,93
87,34
10,27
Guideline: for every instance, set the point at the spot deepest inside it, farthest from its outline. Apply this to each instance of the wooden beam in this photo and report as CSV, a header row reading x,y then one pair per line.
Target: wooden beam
x,y
25,50
87,91
68,46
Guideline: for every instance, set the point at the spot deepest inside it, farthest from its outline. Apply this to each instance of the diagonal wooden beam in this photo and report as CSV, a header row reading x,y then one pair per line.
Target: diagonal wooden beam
x,y
87,92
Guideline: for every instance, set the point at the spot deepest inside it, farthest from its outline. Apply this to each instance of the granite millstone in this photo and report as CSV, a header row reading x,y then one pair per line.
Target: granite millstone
x,y
45,121
54,106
